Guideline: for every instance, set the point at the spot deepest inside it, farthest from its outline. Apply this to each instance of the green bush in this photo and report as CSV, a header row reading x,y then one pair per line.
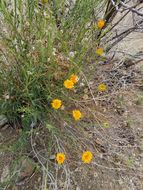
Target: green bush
x,y
41,46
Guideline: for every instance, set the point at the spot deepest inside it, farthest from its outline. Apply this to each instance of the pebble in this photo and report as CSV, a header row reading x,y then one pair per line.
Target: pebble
x,y
3,120
5,174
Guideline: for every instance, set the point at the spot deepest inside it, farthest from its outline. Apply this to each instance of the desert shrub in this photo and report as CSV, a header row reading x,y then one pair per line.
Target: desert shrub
x,y
42,45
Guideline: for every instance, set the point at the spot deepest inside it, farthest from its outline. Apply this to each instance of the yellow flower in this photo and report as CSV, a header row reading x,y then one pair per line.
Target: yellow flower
x,y
44,1
74,78
76,114
101,23
60,158
102,87
56,103
87,157
106,125
99,51
68,84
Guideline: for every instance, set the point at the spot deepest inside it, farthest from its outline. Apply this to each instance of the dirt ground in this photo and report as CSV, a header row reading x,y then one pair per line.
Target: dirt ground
x,y
118,163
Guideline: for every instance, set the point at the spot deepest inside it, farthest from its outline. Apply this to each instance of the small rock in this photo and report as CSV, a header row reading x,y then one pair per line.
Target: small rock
x,y
52,157
5,174
3,120
27,167
85,97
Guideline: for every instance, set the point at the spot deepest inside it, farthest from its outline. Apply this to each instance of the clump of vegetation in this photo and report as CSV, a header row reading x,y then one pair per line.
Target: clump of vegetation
x,y
48,51
43,51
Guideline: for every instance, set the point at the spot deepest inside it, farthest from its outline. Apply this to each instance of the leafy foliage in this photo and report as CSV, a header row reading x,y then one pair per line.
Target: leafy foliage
x,y
36,43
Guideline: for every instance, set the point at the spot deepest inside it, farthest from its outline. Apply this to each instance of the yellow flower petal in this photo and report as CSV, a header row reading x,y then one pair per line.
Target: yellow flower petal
x,y
102,87
74,78
87,157
68,84
56,103
101,23
60,158
99,51
76,114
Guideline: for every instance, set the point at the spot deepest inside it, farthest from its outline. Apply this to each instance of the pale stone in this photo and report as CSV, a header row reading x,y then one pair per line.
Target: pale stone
x,y
3,120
